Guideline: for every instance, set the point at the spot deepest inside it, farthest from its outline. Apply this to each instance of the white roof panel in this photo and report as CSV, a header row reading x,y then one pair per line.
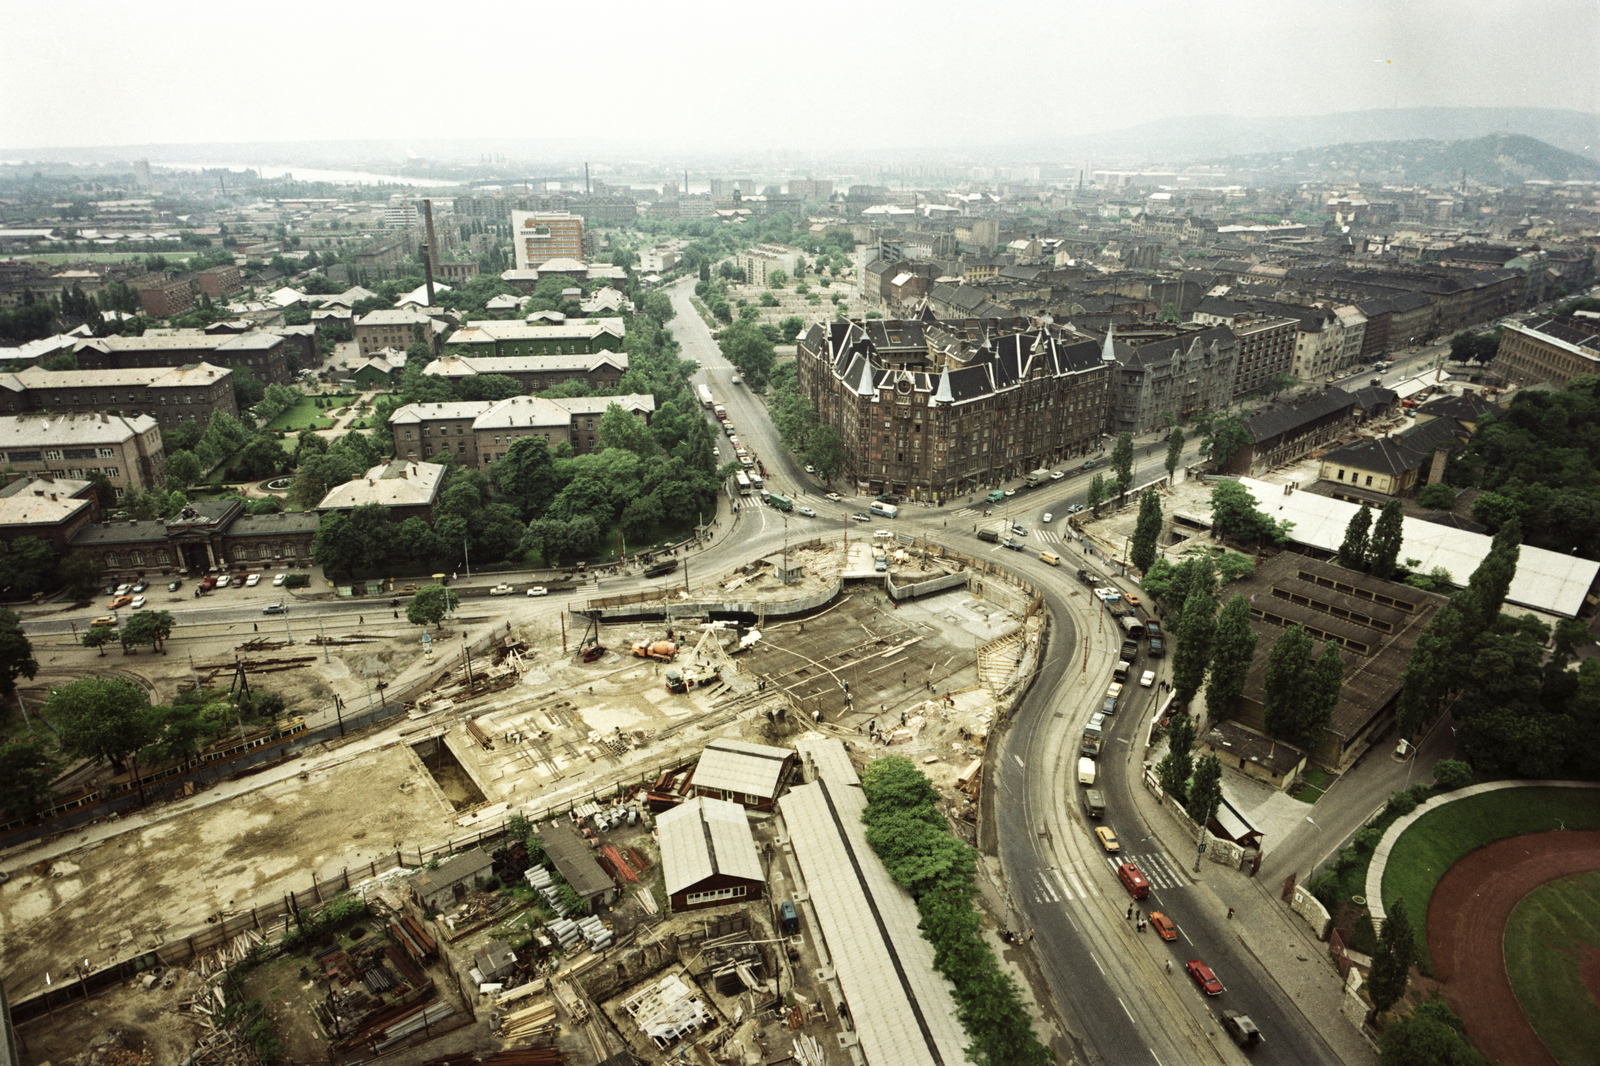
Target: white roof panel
x,y
706,836
738,766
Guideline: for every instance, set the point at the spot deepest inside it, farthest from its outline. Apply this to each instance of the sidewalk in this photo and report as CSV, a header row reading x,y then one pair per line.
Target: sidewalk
x,y
1266,928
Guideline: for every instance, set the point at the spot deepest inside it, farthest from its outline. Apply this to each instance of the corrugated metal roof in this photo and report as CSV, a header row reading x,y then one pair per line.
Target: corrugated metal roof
x,y
703,837
903,1008
828,757
738,766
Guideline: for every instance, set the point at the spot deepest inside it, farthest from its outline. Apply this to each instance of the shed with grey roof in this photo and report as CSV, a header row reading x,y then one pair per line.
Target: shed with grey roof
x,y
575,862
451,881
750,775
708,855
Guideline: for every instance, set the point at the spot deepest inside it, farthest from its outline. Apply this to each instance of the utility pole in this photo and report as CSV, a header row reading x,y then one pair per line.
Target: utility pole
x,y
323,637
466,556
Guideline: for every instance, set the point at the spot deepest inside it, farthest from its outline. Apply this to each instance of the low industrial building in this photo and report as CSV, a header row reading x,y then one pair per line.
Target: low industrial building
x,y
576,864
1395,465
452,881
708,855
1254,754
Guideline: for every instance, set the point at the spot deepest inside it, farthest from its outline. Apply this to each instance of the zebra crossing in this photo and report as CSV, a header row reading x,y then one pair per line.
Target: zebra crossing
x,y
1060,886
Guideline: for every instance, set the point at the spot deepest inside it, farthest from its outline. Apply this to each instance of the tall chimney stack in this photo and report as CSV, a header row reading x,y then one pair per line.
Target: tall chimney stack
x,y
427,261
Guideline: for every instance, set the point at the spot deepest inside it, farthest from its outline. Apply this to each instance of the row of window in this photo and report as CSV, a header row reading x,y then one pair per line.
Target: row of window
x,y
715,895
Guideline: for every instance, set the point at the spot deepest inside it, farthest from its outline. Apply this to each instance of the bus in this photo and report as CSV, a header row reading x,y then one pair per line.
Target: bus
x,y
744,483
705,397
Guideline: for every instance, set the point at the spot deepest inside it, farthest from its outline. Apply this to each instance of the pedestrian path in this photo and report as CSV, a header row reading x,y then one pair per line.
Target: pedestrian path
x,y
1049,537
968,512
1059,886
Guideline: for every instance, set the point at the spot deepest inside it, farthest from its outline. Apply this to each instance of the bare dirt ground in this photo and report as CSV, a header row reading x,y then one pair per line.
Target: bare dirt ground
x,y
1466,930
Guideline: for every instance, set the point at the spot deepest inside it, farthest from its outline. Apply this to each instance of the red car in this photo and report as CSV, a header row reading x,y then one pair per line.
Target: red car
x,y
1204,977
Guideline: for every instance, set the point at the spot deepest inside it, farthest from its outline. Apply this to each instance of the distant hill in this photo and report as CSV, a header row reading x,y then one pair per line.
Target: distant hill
x,y
1192,137
1499,159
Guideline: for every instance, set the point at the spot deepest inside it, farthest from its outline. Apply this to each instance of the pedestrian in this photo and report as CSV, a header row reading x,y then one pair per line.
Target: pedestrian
x,y
397,614
1142,924
1230,914
1130,912
1169,966
255,627
1138,914
361,619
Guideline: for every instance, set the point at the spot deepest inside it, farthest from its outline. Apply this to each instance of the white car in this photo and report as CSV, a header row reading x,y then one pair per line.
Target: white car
x,y
805,512
810,469
882,534
1056,475
277,581
1108,595
502,589
538,590
835,497
137,604
123,590
1047,517
1011,492
252,581
1148,678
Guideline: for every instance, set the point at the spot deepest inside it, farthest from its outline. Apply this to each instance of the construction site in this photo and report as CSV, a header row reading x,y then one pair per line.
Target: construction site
x,y
484,878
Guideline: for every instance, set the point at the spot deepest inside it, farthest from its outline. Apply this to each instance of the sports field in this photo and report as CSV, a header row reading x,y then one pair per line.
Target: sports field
x,y
1552,949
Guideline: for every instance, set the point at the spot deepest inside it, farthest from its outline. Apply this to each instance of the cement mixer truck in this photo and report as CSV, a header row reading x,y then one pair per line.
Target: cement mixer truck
x,y
662,651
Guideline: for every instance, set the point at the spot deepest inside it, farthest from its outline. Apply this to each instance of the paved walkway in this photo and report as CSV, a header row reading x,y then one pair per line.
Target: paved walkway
x,y
1267,929
1380,854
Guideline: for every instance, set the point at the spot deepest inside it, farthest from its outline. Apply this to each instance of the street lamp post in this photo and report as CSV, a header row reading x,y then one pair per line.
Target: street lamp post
x,y
1315,860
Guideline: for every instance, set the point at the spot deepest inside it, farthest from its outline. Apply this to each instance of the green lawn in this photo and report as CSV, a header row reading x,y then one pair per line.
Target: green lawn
x,y
303,415
1546,938
1436,841
1316,783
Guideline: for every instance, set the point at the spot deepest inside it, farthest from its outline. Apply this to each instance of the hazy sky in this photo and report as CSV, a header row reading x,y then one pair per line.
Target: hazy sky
x,y
699,76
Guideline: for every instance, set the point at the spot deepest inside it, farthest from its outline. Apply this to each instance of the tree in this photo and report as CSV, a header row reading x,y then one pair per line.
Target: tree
x,y
1279,383
247,391
1383,551
825,451
100,636
1487,587
1234,514
415,540
1437,496
1196,630
1233,649
1353,549
318,474
1122,462
1223,438
183,469
1391,964
140,628
143,504
620,428
1174,453
80,574
1097,492
337,547
1286,682
1431,1036
1427,675
16,654
1205,790
1324,685
103,718
1146,531
429,605
1176,765
28,764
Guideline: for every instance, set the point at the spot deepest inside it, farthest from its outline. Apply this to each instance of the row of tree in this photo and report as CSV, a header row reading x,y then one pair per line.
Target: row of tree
x,y
799,429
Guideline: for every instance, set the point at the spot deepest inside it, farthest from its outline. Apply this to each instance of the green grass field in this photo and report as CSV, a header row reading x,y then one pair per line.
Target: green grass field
x,y
301,416
1545,938
1435,842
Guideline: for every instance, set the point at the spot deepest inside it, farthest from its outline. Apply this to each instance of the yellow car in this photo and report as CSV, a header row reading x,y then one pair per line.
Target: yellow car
x,y
119,601
1108,839
103,620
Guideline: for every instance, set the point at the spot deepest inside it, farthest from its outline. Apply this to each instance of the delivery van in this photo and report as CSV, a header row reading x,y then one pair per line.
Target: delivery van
x,y
1133,880
884,510
1086,772
1050,557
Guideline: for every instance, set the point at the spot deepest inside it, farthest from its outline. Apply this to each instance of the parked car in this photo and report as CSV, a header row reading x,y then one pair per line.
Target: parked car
x,y
119,601
805,512
860,516
538,590
274,608
1018,530
502,589
277,580
1074,508
1204,977
882,534
252,581
137,603
175,584
1011,492
140,585
1108,839
835,497
104,620
1147,679
1163,926
810,469
1057,475
122,590
238,581
111,589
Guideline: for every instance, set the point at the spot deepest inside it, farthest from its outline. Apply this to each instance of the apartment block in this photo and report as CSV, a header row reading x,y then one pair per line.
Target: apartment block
x,y
479,432
189,393
264,354
393,328
219,281
1548,350
539,236
127,450
160,295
